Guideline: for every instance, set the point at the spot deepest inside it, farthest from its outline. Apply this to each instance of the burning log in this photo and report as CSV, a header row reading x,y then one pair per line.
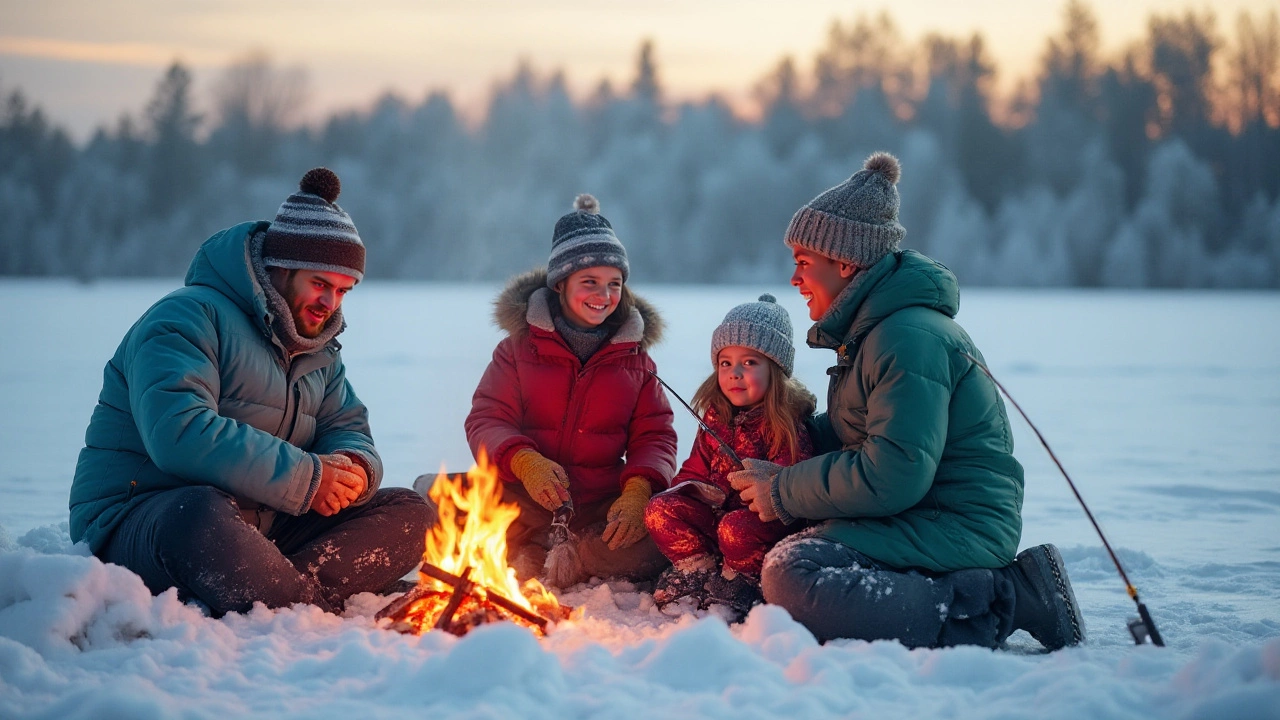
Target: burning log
x,y
464,579
400,609
466,586
461,590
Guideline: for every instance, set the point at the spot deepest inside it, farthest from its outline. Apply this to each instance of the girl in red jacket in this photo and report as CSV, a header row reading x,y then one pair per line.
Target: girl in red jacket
x,y
569,411
752,403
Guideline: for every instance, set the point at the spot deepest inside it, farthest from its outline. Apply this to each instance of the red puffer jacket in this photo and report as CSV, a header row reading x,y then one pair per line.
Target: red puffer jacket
x,y
604,421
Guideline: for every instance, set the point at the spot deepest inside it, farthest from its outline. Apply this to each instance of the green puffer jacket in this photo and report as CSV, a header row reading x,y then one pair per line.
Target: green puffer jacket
x,y
199,392
919,469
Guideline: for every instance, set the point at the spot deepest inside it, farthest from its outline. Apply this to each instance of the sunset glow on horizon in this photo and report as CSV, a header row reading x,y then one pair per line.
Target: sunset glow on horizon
x,y
87,63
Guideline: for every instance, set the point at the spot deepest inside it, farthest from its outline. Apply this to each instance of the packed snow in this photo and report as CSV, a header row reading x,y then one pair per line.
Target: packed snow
x,y
1163,406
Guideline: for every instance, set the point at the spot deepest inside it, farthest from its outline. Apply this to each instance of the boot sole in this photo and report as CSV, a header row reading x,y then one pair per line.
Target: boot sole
x,y
692,589
1053,574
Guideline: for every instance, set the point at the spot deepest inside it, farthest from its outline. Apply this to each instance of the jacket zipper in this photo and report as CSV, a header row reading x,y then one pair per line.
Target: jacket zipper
x,y
285,419
297,405
574,410
293,393
133,481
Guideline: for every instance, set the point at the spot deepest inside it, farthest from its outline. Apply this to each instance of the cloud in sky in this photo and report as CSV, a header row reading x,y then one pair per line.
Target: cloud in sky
x,y
66,54
108,53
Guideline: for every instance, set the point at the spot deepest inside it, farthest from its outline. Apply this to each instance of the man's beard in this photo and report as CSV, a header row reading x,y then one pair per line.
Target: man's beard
x,y
302,318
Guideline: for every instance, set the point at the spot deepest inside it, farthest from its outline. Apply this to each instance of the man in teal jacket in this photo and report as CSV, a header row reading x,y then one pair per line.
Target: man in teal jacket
x,y
918,493
228,456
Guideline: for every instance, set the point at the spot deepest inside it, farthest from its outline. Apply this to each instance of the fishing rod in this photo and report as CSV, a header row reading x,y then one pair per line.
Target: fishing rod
x,y
1142,627
723,445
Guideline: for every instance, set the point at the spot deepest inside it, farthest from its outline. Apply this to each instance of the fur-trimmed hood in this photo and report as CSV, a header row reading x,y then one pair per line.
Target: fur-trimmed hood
x,y
525,302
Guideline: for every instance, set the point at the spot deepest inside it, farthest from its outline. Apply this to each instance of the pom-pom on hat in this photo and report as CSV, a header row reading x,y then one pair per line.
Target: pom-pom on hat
x,y
855,221
310,230
582,239
763,326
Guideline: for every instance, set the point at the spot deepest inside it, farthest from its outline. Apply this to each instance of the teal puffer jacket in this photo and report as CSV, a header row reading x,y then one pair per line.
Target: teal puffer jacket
x,y
200,393
920,471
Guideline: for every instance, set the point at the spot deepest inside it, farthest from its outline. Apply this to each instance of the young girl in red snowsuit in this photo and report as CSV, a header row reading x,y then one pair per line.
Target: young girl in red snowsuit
x,y
752,404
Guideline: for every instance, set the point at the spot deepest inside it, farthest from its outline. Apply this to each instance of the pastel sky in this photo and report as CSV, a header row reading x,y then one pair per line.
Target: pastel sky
x,y
88,61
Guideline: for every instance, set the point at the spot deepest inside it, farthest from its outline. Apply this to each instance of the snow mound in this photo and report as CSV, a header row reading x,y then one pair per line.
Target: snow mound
x,y
59,605
79,638
53,540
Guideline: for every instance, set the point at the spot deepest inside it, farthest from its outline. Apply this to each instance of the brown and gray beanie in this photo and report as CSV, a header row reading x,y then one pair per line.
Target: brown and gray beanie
x,y
763,326
583,239
310,231
855,221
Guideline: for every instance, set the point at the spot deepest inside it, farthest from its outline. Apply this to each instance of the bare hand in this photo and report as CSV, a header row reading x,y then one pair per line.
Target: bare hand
x,y
341,482
755,486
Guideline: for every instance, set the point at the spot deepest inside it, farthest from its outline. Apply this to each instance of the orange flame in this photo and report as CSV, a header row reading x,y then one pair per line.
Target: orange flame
x,y
472,533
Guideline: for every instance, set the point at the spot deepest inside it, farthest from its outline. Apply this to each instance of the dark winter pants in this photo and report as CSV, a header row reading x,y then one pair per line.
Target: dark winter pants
x,y
194,539
528,541
837,592
685,527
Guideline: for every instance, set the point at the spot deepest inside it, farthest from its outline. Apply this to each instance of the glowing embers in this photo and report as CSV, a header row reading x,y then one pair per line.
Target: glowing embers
x,y
464,580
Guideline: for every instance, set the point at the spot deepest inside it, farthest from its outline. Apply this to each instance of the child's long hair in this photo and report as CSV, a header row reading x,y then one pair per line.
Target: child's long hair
x,y
786,404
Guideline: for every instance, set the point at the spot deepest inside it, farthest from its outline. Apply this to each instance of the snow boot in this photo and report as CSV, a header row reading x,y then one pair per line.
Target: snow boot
x,y
737,594
685,580
1044,604
422,485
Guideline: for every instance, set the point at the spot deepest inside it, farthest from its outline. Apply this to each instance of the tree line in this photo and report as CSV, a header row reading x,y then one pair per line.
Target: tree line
x,y
1159,167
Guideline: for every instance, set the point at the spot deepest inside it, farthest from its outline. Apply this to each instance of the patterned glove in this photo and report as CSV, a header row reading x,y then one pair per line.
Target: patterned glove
x,y
754,484
626,515
546,482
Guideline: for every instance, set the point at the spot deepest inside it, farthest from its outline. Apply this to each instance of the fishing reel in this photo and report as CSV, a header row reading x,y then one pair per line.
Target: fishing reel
x,y
1143,628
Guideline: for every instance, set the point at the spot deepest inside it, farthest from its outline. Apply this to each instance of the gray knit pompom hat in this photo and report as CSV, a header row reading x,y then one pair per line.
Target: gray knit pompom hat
x,y
855,221
763,326
582,239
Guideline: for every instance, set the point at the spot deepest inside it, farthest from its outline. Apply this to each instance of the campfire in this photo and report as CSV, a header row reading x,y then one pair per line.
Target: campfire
x,y
464,579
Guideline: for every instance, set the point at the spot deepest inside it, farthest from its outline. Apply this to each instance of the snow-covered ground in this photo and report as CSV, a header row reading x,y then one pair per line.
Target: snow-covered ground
x,y
1165,407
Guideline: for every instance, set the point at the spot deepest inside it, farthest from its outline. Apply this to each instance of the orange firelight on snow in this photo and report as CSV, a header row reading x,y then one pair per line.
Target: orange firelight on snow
x,y
472,533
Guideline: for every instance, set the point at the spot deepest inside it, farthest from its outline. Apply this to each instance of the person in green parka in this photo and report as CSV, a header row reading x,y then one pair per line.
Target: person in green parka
x,y
228,456
914,479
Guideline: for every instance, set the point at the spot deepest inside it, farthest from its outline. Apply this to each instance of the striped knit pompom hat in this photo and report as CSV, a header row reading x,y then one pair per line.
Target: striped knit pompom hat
x,y
310,230
856,221
583,239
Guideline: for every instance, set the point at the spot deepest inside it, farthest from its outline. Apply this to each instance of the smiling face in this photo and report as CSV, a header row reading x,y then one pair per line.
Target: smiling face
x,y
743,375
589,296
820,279
313,296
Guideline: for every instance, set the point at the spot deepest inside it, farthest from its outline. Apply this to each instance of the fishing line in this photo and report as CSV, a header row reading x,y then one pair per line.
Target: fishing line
x,y
1142,627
